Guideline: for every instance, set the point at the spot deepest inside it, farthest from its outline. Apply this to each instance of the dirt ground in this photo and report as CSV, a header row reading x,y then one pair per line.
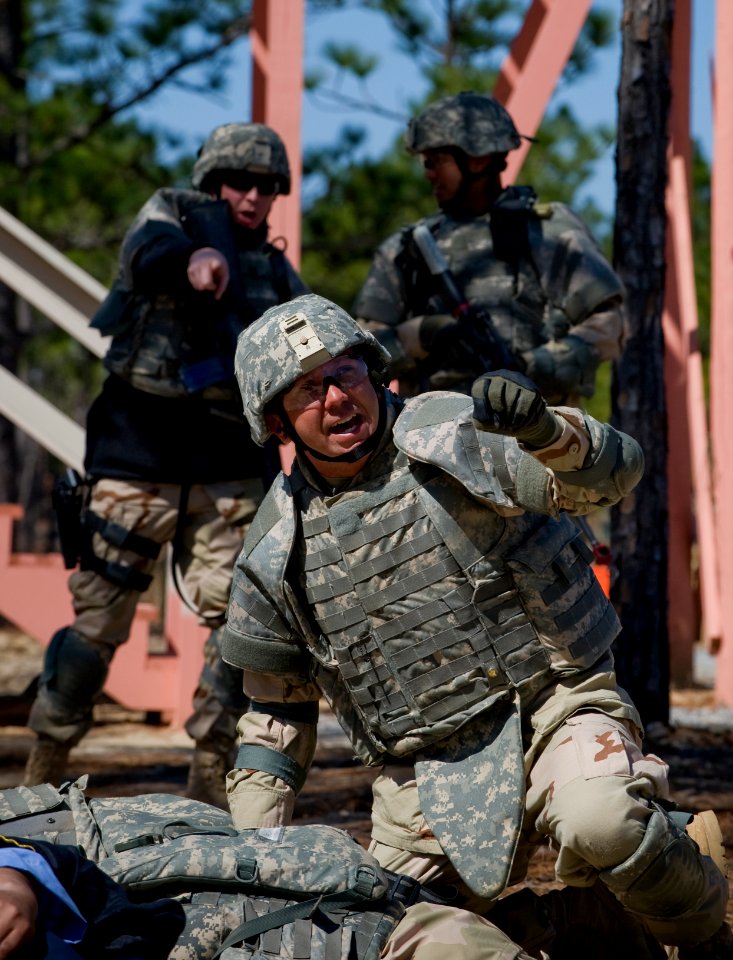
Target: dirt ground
x,y
125,755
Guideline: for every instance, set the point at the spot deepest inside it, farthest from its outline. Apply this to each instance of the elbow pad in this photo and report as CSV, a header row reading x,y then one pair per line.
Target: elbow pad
x,y
614,466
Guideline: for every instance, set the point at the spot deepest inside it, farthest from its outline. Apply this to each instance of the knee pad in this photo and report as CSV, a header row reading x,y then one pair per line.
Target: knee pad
x,y
73,674
73,669
680,893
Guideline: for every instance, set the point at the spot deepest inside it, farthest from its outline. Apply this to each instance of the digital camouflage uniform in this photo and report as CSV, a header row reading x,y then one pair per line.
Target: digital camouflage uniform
x,y
169,458
535,267
443,603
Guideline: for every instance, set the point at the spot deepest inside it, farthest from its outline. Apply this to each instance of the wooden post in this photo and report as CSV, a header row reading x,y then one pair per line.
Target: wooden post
x,y
536,59
688,468
721,367
277,38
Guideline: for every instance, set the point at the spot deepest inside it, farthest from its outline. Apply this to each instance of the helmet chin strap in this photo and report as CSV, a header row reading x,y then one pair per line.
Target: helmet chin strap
x,y
369,445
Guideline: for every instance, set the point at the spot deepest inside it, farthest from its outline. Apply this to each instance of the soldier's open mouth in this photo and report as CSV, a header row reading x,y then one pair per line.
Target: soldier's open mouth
x,y
347,426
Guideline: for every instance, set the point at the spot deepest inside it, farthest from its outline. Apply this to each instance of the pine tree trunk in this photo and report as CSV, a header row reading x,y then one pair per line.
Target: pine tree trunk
x,y
11,32
639,527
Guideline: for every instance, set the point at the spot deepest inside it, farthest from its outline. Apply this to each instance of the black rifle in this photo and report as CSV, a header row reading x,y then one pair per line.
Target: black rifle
x,y
476,331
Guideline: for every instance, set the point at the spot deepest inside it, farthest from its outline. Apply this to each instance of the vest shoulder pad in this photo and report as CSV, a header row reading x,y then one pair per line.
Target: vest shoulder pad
x,y
274,521
438,428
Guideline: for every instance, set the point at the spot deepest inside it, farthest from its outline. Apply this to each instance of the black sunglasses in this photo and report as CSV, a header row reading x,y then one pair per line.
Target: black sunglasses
x,y
241,180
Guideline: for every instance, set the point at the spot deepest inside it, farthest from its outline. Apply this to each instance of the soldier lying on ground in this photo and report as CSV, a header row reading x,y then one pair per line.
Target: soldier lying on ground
x,y
419,569
56,904
305,892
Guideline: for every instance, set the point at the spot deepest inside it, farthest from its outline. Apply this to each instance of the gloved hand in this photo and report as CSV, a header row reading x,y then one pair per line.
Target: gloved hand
x,y
563,367
509,403
435,325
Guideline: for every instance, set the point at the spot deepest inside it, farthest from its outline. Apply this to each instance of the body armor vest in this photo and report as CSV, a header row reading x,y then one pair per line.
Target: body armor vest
x,y
431,607
508,288
168,335
174,346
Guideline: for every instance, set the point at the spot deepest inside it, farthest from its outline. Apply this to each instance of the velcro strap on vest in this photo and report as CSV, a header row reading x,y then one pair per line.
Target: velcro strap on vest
x,y
253,757
533,485
263,655
295,712
119,536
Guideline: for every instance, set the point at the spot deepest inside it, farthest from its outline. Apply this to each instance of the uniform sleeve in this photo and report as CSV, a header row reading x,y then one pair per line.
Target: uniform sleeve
x,y
156,249
278,732
57,910
590,465
277,743
580,282
380,306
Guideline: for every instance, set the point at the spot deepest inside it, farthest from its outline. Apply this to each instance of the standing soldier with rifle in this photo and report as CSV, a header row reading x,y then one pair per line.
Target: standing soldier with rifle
x,y
496,279
169,456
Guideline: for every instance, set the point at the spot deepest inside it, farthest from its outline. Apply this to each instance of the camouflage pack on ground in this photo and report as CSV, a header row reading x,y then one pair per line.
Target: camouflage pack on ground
x,y
298,891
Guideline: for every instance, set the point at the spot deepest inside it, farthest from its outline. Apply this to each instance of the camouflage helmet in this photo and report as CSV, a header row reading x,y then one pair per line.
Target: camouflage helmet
x,y
242,146
474,122
289,340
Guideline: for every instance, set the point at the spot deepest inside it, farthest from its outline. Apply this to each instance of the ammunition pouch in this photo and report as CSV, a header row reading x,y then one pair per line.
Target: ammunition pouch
x,y
67,500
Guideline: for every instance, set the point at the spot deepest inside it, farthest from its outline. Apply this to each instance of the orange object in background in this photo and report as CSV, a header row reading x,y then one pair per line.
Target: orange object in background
x,y
602,569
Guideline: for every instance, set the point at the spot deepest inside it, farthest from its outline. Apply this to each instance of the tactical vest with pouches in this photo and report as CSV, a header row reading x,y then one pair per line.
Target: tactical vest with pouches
x,y
177,345
431,607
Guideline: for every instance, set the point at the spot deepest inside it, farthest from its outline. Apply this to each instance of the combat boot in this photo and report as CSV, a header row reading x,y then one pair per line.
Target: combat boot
x,y
207,776
679,893
705,831
46,762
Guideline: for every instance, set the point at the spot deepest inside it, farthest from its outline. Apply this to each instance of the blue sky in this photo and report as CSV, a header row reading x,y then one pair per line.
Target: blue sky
x,y
397,80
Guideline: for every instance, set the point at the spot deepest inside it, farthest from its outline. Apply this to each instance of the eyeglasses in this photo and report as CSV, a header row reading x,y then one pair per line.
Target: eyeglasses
x,y
344,372
243,181
433,161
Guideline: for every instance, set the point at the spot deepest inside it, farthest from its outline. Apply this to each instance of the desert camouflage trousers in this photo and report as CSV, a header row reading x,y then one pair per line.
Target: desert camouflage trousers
x,y
434,932
209,539
588,789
